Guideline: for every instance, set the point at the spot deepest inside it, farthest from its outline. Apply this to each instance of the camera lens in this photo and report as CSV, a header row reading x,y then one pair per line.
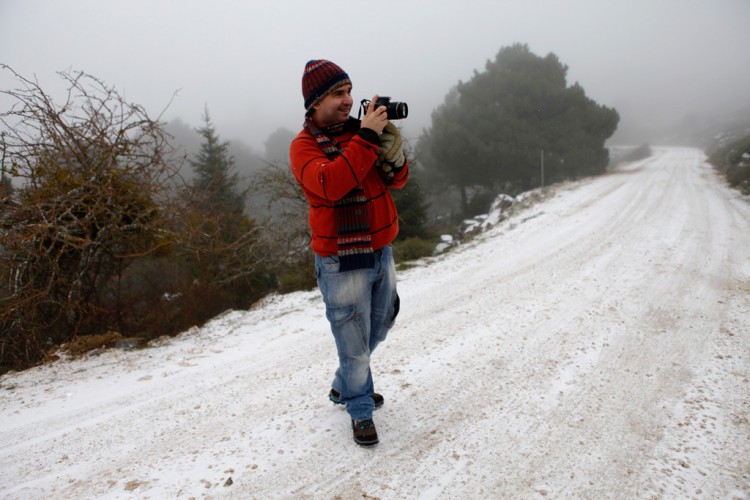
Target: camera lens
x,y
397,110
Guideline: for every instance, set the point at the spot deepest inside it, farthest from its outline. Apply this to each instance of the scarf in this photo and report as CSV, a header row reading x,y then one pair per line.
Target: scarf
x,y
352,220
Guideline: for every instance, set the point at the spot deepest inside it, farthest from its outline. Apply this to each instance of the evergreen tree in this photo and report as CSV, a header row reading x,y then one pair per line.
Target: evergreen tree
x,y
412,209
277,145
216,182
225,252
492,129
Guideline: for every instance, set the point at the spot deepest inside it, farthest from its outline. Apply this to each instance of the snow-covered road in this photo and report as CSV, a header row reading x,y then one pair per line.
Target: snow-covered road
x,y
595,345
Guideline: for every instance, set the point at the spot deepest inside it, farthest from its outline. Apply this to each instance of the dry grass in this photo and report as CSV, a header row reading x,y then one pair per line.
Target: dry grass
x,y
84,344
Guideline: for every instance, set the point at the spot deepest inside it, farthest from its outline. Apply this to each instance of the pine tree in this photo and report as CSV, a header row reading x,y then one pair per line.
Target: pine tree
x,y
216,181
492,129
412,209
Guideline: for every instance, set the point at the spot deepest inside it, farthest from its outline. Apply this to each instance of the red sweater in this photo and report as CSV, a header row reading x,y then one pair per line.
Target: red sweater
x,y
325,181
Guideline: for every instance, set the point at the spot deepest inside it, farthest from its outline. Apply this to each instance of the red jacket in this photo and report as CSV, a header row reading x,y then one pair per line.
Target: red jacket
x,y
325,181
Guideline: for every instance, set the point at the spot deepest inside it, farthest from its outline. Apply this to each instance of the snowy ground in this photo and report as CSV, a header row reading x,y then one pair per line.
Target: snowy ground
x,y
595,345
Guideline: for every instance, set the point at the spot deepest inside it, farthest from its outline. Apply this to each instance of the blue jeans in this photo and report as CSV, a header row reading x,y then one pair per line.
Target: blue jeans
x,y
361,306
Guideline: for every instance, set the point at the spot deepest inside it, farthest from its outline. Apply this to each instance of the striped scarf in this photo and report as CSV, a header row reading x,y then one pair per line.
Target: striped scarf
x,y
352,220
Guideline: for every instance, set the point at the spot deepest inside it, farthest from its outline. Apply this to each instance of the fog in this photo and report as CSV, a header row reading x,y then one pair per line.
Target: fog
x,y
656,62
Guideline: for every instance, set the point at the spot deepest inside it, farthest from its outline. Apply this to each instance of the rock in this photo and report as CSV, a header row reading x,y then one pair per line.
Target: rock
x,y
129,343
502,202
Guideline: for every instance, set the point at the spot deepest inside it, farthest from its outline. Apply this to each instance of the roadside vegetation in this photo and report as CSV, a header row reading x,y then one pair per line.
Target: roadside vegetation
x,y
731,156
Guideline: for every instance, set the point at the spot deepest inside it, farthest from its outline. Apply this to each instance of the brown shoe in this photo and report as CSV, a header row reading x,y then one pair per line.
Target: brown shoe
x,y
365,433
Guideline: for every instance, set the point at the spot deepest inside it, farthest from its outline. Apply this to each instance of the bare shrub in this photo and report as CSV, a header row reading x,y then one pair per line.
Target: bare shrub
x,y
96,179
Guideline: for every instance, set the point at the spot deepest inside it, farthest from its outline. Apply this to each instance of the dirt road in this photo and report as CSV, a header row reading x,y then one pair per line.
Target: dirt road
x,y
595,345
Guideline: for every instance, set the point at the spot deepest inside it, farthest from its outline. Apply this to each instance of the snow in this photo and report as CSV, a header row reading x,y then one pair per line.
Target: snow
x,y
592,345
446,241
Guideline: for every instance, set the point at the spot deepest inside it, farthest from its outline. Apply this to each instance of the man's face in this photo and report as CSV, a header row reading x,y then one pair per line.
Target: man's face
x,y
335,106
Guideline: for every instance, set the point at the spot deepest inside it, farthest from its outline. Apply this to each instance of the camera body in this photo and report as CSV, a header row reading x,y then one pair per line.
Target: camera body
x,y
394,110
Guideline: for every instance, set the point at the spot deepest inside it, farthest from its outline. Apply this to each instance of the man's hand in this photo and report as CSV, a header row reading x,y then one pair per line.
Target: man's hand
x,y
391,155
392,146
375,118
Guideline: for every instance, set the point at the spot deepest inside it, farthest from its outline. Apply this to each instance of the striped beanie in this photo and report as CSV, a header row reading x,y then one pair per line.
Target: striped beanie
x,y
321,77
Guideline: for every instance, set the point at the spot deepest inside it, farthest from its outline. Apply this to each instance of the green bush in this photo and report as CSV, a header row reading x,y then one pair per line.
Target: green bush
x,y
732,161
299,276
413,249
739,177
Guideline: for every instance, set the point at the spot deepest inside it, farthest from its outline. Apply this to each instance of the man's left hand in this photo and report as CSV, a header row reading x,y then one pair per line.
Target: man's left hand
x,y
391,148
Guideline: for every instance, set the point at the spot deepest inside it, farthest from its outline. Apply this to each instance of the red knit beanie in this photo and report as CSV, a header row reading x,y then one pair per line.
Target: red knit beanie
x,y
321,77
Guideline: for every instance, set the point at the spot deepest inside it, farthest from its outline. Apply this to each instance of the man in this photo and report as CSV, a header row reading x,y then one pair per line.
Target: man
x,y
346,168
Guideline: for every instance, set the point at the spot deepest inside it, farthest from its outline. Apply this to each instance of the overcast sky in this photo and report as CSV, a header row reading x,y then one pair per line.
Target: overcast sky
x,y
653,60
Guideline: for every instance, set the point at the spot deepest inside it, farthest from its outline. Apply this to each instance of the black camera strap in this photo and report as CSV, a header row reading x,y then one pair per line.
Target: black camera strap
x,y
362,106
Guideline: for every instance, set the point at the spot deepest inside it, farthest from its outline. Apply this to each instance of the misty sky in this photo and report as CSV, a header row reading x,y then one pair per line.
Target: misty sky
x,y
654,60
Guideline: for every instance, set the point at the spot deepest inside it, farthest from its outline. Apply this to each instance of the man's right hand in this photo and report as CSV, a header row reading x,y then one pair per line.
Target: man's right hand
x,y
375,118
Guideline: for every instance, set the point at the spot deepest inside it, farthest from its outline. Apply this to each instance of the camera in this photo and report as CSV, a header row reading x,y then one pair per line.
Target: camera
x,y
394,110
